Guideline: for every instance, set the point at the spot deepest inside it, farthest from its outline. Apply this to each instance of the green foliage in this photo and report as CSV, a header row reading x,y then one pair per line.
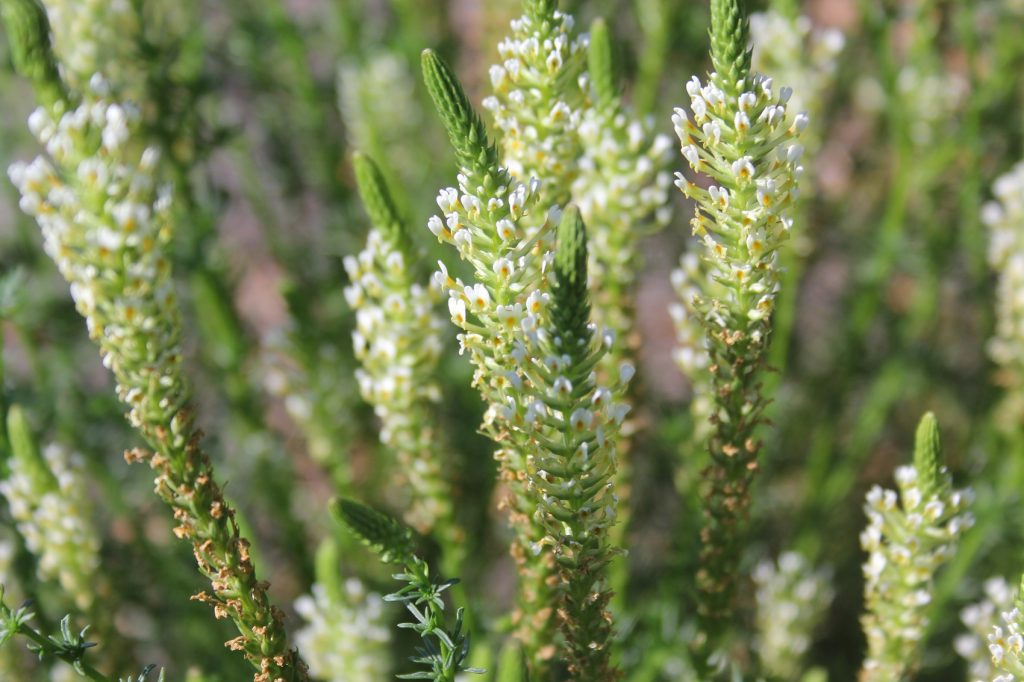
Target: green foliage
x,y
570,311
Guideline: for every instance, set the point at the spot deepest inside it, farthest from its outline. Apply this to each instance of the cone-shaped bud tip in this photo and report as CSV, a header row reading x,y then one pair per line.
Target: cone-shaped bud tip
x,y
928,453
571,302
379,202
601,63
465,129
389,537
730,42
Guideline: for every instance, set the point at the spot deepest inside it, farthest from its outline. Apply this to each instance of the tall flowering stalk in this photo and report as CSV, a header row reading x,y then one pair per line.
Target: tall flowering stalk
x,y
347,633
736,135
1006,642
486,219
540,88
909,536
981,619
530,337
792,600
397,340
622,189
1004,218
106,223
48,499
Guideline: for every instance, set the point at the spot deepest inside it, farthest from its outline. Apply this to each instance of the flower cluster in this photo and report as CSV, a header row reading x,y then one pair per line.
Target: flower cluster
x,y
1006,644
306,377
48,499
106,224
347,636
691,351
746,146
98,37
796,51
910,534
397,340
1004,218
525,323
381,116
539,91
980,619
739,135
792,600
492,222
622,187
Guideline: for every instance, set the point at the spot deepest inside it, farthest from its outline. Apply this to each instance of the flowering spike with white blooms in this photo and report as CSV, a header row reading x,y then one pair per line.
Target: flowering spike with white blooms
x,y
106,223
48,498
794,51
490,220
1006,642
908,537
622,190
1004,218
792,600
981,619
94,37
397,340
570,423
539,90
738,136
347,635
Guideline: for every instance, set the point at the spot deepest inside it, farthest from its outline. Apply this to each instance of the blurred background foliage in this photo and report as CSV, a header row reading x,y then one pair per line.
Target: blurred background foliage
x,y
888,314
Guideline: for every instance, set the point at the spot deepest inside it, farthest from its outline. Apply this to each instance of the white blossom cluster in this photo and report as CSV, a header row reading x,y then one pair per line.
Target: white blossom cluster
x,y
691,351
48,500
311,398
980,619
746,144
792,600
105,223
490,232
622,191
1004,218
795,51
1006,645
377,103
347,638
98,37
539,91
932,98
397,340
908,537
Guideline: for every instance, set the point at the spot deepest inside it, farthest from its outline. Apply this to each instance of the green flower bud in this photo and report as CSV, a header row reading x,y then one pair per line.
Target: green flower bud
x,y
465,129
601,64
730,43
28,33
928,455
570,312
387,536
379,203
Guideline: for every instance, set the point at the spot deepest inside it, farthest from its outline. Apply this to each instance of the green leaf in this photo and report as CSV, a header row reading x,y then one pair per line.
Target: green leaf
x,y
26,451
